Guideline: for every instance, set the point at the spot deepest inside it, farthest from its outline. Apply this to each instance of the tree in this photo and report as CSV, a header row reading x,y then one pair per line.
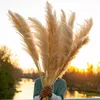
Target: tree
x,y
9,74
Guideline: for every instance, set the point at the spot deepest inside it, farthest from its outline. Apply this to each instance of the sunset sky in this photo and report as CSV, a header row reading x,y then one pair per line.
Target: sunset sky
x,y
84,9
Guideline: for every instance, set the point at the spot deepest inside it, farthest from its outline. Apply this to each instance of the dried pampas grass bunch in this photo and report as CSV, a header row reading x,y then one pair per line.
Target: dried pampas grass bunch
x,y
56,43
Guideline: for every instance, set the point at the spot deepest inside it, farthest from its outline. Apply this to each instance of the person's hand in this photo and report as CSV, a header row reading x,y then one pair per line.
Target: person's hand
x,y
47,91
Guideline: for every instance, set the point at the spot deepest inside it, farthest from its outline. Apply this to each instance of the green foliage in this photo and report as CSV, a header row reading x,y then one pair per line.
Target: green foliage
x,y
6,83
9,74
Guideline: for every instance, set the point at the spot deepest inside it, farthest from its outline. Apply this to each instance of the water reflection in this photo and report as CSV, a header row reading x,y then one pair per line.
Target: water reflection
x,y
74,94
26,86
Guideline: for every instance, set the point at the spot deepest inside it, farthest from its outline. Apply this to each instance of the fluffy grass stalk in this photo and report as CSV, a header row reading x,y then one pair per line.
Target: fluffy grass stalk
x,y
24,31
41,35
80,39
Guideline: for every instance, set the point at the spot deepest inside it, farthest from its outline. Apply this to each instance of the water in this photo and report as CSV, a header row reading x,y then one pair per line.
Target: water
x,y
26,86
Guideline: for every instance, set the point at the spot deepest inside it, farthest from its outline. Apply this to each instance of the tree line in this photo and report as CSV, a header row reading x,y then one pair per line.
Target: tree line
x,y
85,80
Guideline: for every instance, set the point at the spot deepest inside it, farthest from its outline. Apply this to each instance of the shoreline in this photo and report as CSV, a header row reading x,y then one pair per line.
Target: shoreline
x,y
88,92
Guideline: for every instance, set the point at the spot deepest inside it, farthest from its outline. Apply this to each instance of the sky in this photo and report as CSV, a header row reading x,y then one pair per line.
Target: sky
x,y
84,9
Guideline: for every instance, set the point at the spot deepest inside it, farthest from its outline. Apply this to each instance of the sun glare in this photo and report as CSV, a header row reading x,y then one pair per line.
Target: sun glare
x,y
25,61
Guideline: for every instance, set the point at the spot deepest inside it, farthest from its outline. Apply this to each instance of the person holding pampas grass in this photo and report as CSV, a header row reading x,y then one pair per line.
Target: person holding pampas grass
x,y
55,45
54,92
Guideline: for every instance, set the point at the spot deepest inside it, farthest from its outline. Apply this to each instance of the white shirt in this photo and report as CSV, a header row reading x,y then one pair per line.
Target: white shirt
x,y
54,97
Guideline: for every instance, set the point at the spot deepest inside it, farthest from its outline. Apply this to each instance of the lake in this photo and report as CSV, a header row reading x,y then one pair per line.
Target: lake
x,y
26,86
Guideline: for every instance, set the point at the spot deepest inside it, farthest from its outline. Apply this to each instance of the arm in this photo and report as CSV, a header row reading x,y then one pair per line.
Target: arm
x,y
60,88
37,89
